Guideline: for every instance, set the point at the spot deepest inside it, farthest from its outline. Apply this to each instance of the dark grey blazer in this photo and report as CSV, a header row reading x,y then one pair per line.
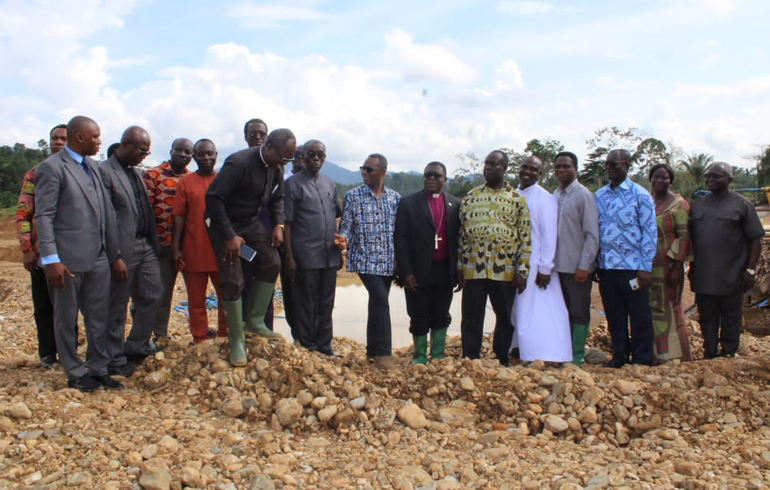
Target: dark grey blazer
x,y
121,195
73,216
415,233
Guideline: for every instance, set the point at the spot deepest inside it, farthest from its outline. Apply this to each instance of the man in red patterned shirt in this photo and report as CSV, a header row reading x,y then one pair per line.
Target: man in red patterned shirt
x,y
25,226
161,182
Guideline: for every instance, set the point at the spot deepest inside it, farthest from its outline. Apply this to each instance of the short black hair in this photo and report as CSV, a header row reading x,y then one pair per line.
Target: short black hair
x,y
204,140
58,126
567,154
280,138
443,167
250,121
112,149
664,166
380,158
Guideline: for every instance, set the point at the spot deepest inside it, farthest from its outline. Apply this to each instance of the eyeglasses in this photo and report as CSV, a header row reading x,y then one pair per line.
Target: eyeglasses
x,y
368,170
435,175
714,176
254,134
142,153
285,160
614,163
298,155
312,154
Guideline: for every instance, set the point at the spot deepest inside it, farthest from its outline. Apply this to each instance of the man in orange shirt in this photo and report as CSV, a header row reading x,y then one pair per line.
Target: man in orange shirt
x,y
161,182
191,247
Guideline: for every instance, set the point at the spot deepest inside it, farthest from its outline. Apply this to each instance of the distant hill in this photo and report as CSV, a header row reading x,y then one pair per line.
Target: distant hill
x,y
341,175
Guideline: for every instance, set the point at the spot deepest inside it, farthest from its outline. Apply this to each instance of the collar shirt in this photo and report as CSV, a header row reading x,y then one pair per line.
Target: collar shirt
x,y
367,224
578,236
161,184
312,208
494,239
722,228
628,234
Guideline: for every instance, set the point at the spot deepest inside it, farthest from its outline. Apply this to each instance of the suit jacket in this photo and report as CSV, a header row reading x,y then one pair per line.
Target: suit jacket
x,y
73,215
415,233
123,200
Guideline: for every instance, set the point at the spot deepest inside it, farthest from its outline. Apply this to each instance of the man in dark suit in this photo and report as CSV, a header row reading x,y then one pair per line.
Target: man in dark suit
x,y
139,249
427,224
250,180
78,242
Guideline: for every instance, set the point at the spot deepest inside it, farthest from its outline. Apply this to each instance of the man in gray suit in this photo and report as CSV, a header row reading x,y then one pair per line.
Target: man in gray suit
x,y
78,242
139,249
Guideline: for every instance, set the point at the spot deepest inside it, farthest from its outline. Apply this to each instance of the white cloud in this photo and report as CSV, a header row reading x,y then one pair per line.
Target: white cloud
x,y
276,14
508,74
424,62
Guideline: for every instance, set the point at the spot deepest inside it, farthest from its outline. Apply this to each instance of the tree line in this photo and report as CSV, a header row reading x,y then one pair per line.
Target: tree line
x,y
646,152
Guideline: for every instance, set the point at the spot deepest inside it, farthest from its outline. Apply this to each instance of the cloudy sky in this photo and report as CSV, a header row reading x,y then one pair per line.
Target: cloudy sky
x,y
414,80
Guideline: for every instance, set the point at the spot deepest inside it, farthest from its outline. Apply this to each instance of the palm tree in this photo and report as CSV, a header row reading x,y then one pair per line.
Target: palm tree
x,y
696,165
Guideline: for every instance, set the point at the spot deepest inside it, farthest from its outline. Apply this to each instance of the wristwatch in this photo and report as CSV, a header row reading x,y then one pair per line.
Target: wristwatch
x,y
751,271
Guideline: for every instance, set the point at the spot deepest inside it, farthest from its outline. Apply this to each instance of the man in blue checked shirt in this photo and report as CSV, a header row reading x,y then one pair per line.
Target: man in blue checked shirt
x,y
368,221
627,243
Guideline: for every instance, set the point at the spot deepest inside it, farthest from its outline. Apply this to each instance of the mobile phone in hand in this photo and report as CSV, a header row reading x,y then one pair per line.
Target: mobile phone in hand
x,y
247,252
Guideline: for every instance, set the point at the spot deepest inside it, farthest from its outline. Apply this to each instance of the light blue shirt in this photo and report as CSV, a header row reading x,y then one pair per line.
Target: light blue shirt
x,y
628,235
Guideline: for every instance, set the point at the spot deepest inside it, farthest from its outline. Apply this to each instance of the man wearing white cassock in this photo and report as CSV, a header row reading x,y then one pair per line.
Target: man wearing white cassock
x,y
539,314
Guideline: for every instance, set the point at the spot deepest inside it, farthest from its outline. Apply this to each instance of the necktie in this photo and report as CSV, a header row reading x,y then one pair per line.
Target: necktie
x,y
87,169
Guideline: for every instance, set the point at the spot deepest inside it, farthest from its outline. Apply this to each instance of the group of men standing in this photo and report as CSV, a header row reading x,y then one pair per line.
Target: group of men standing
x,y
105,234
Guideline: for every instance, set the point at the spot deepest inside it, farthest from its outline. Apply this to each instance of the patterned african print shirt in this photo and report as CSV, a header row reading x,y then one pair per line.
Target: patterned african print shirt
x,y
25,213
628,235
161,184
367,224
494,240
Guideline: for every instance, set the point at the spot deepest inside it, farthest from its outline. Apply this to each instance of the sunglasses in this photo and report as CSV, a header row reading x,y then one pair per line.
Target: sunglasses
x,y
298,155
312,154
285,160
142,153
714,176
435,175
368,170
254,134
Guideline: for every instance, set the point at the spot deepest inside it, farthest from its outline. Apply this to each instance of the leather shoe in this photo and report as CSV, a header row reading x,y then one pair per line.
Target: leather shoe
x,y
330,353
84,383
107,382
211,333
48,361
125,370
614,364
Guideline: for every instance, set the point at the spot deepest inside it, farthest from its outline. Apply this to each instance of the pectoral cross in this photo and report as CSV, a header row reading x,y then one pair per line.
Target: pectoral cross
x,y
437,239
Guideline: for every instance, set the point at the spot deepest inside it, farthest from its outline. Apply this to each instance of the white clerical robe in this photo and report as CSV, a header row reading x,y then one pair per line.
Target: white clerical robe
x,y
539,316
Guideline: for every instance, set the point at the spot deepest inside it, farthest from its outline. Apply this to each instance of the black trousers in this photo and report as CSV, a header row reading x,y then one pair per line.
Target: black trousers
x,y
379,341
313,315
474,302
577,297
267,264
714,311
621,303
428,307
43,307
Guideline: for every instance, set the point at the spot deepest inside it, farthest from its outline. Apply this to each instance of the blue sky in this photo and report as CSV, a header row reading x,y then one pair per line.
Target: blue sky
x,y
416,81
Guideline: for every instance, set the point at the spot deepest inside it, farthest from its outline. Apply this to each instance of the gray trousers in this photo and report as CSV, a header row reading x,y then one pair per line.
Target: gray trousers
x,y
168,275
144,287
88,292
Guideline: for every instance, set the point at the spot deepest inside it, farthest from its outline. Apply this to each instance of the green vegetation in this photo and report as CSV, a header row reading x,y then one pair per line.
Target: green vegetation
x,y
14,163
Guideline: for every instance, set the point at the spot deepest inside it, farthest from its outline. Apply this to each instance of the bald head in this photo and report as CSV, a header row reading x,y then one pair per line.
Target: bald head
x,y
83,136
722,168
619,155
134,146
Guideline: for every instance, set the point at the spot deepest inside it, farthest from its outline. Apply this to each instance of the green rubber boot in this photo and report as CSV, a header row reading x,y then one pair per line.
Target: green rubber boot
x,y
234,314
437,343
579,336
420,354
260,295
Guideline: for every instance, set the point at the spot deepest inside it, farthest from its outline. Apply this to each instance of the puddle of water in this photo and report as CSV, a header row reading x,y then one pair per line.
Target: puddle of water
x,y
350,312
